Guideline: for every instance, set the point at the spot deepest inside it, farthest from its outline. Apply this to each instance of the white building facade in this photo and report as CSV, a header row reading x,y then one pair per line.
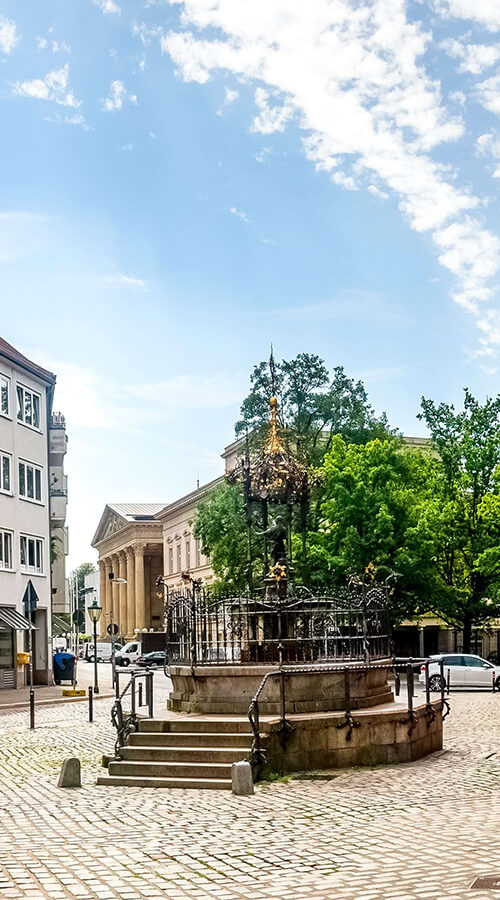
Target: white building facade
x,y
26,392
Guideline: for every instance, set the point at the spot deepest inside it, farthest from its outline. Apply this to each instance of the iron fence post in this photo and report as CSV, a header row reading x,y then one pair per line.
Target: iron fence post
x,y
448,679
427,684
32,708
194,623
149,693
91,703
347,691
140,703
409,688
117,684
132,696
282,685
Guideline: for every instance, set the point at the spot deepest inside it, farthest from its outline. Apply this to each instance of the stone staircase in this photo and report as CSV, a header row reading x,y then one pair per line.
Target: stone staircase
x,y
181,753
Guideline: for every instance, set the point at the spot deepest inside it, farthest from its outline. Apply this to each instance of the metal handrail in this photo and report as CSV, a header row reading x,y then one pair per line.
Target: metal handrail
x,y
127,724
407,664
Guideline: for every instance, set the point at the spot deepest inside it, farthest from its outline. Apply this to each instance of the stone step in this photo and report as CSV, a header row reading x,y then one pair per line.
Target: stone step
x,y
219,726
214,784
185,754
150,769
189,739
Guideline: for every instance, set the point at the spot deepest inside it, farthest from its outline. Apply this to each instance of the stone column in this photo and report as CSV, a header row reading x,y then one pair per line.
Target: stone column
x,y
147,591
114,608
131,616
140,599
122,593
103,598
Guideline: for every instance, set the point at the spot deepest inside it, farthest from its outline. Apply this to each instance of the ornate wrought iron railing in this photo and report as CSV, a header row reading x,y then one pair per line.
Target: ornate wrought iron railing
x,y
410,717
206,628
127,721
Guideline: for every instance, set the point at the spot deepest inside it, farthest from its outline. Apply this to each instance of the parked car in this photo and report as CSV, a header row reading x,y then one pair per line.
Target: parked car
x,y
154,660
466,670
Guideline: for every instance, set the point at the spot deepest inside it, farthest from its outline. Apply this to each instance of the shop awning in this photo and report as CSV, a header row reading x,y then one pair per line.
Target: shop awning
x,y
14,619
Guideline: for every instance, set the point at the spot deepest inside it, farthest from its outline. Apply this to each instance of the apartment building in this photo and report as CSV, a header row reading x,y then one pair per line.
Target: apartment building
x,y
26,394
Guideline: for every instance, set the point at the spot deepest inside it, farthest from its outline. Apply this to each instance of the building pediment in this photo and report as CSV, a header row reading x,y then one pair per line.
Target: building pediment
x,y
110,523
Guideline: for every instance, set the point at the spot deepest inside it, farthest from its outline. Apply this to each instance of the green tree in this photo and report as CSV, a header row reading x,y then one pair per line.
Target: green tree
x,y
372,495
314,405
462,517
222,527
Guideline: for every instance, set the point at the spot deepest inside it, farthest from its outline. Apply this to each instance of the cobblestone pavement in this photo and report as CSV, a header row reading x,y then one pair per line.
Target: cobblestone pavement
x,y
410,832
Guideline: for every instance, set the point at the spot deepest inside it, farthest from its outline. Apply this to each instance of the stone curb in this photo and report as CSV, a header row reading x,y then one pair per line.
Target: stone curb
x,y
53,702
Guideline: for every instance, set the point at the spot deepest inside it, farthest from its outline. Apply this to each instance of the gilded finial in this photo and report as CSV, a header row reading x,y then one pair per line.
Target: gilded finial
x,y
274,445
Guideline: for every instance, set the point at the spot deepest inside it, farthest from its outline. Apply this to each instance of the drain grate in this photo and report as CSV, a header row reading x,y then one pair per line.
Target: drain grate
x,y
486,883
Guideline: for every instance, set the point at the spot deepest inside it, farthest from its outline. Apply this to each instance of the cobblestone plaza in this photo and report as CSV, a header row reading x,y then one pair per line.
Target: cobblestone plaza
x,y
409,832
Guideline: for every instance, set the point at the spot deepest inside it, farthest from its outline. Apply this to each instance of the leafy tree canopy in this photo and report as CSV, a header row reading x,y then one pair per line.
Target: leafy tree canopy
x,y
372,494
463,515
221,526
314,405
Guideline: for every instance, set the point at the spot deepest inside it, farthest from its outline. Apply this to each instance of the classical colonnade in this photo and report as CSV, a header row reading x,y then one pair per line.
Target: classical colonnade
x,y
125,604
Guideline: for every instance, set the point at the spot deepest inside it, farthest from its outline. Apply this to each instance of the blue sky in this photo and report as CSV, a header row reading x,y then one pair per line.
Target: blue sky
x,y
184,182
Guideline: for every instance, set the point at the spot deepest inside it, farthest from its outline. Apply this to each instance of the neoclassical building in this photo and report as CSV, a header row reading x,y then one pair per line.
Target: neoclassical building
x,y
129,540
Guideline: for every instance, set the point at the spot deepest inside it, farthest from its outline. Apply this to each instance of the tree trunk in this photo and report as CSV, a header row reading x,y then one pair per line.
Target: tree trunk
x,y
467,633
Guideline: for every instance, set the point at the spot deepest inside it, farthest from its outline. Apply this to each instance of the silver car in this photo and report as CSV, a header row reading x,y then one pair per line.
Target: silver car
x,y
466,670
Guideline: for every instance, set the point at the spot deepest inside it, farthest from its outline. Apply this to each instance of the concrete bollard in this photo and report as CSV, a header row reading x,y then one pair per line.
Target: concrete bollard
x,y
241,776
71,774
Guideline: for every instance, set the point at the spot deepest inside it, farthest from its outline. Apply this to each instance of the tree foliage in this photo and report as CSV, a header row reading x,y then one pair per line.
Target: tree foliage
x,y
314,405
222,527
372,495
462,516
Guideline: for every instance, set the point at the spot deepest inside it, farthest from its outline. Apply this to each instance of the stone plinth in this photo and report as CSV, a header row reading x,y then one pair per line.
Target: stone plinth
x,y
382,737
230,689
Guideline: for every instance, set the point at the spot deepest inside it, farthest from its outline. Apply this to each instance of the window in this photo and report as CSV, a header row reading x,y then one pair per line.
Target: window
x,y
6,647
198,553
170,560
4,395
5,472
179,564
31,554
28,406
474,662
30,481
453,661
5,550
188,555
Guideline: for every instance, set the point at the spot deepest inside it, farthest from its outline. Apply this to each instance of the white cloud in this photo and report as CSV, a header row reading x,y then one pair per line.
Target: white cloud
x,y
88,401
352,76
54,87
489,144
230,95
271,117
41,43
488,94
9,35
239,213
117,97
108,7
373,189
486,12
474,57
126,281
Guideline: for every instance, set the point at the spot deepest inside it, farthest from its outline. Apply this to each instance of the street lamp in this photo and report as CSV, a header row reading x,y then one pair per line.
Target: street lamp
x,y
111,629
94,612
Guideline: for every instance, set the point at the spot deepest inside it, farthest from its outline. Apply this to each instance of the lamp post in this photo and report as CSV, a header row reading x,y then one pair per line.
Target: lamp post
x,y
94,612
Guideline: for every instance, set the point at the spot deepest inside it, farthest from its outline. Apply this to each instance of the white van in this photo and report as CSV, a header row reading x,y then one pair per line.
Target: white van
x,y
129,653
103,651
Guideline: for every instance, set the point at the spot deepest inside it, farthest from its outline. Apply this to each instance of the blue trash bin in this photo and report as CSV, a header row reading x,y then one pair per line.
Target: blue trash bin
x,y
63,666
